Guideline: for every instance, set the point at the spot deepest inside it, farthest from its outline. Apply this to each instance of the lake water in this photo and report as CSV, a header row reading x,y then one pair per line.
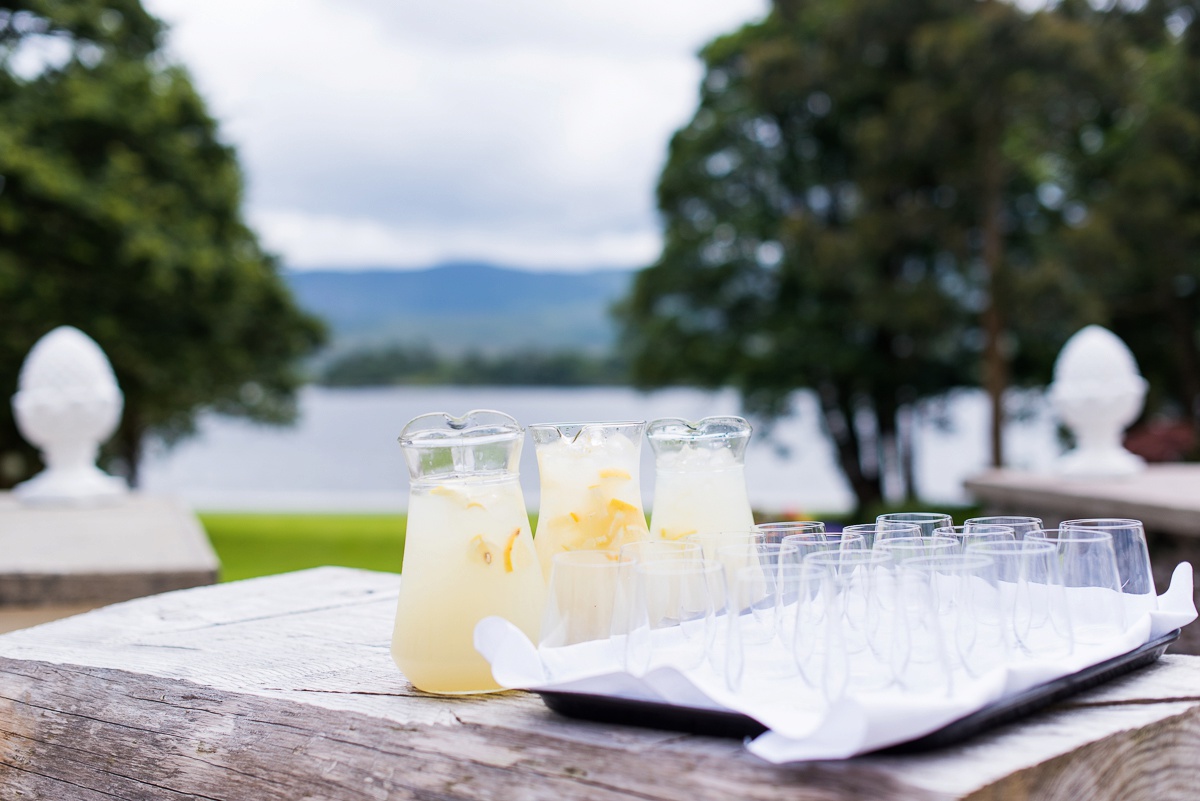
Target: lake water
x,y
343,456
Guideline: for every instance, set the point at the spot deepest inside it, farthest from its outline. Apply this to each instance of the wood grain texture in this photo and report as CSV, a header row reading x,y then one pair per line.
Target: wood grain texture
x,y
283,688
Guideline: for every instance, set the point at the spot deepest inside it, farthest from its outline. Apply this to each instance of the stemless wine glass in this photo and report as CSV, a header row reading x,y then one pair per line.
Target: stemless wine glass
x,y
752,571
968,608
873,532
901,548
858,593
776,532
633,553
926,521
1133,559
673,621
711,541
1019,524
760,646
796,547
964,536
1091,582
1029,579
580,596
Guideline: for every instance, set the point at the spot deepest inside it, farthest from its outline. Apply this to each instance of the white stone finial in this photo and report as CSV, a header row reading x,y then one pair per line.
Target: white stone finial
x,y
67,404
1097,392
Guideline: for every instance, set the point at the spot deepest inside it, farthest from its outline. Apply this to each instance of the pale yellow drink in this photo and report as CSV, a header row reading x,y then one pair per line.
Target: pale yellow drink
x,y
699,477
591,496
699,491
468,554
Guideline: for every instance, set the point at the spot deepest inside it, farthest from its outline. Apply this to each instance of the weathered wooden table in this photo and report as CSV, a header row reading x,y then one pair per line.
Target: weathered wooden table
x,y
283,688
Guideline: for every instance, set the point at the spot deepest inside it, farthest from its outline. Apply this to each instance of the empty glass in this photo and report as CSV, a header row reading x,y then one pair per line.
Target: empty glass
x,y
873,532
901,548
711,541
978,533
674,614
1091,581
1019,524
926,521
776,532
633,553
580,597
857,589
762,621
968,608
1029,579
1133,559
796,547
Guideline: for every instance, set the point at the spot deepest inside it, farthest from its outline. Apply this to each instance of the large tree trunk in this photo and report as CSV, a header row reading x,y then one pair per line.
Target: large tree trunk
x,y
995,359
1186,358
906,428
128,444
837,415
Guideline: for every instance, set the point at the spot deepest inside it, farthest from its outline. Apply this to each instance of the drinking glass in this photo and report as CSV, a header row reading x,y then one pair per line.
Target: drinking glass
x,y
857,589
1019,524
712,541
633,553
968,608
776,532
964,536
764,608
1030,583
580,598
754,570
926,521
1091,581
921,659
674,614
794,548
873,532
1133,559
901,548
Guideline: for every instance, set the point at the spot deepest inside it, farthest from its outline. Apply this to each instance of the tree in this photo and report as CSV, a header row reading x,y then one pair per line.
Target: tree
x,y
854,204
1140,246
120,215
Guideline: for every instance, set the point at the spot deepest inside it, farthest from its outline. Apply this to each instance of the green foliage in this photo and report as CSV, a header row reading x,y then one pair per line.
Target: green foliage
x,y
250,545
878,199
120,215
423,365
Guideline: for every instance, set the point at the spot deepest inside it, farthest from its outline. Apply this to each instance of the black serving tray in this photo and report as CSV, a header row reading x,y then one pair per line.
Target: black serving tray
x,y
720,723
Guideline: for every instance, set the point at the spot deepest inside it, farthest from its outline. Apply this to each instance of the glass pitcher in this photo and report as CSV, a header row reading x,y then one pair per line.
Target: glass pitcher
x,y
699,476
468,551
591,491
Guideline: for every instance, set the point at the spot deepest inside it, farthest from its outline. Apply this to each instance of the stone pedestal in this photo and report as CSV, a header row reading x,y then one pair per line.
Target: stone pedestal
x,y
58,561
1165,497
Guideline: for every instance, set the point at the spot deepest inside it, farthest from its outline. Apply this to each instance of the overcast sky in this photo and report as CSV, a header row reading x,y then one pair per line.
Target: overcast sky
x,y
408,132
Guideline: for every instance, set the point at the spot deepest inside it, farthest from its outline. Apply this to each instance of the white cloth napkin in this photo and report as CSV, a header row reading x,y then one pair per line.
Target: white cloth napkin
x,y
800,727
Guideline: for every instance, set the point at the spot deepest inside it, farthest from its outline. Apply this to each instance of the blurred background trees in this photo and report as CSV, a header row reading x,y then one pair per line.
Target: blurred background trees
x,y
120,214
884,200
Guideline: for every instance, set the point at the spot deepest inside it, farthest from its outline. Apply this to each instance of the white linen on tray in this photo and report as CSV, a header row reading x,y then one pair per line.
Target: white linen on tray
x,y
800,725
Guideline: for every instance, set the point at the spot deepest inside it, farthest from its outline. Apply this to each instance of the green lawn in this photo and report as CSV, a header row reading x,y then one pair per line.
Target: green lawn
x,y
261,544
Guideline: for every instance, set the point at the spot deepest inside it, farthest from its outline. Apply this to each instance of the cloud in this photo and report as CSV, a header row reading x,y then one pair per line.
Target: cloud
x,y
379,133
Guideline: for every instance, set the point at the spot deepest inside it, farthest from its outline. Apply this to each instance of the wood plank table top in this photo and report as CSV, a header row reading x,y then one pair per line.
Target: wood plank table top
x,y
283,688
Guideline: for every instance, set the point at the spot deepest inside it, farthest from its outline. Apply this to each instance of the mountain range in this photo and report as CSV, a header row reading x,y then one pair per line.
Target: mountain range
x,y
463,306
